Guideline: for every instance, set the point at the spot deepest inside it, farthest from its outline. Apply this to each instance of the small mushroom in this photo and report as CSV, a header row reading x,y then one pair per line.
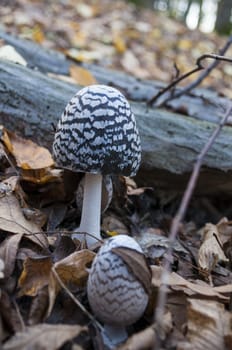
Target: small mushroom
x,y
119,285
97,134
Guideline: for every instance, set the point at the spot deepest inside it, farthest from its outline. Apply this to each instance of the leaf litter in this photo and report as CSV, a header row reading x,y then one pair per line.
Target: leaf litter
x,y
43,273
41,267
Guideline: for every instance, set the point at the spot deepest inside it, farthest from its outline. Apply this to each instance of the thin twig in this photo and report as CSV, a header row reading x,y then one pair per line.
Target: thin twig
x,y
205,73
172,84
162,295
75,300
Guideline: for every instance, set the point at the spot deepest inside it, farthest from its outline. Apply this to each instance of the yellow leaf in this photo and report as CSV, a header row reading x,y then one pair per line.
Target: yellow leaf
x,y
119,44
82,76
28,155
185,44
35,275
38,35
73,268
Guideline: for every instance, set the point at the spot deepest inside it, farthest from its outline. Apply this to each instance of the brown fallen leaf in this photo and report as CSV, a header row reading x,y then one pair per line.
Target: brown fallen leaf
x,y
132,189
13,220
70,270
28,155
208,325
82,76
210,251
137,263
8,252
111,223
1,268
38,307
43,336
73,268
10,316
119,43
132,65
38,34
224,227
35,275
176,282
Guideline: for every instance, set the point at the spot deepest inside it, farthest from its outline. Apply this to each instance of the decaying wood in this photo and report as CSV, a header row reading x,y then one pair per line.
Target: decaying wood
x,y
31,101
48,61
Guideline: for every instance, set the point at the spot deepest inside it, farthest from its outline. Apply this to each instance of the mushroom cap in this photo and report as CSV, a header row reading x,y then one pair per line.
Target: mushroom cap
x,y
115,294
97,133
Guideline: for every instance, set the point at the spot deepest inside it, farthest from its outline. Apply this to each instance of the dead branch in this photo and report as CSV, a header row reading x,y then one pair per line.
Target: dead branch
x,y
206,72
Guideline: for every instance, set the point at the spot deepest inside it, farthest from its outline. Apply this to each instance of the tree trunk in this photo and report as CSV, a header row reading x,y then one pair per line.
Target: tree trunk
x,y
223,21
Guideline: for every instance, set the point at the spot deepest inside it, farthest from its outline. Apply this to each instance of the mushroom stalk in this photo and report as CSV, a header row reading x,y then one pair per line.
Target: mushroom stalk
x,y
113,335
91,208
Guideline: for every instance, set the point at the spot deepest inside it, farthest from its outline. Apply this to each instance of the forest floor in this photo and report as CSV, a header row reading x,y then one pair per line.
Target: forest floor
x,y
43,272
116,34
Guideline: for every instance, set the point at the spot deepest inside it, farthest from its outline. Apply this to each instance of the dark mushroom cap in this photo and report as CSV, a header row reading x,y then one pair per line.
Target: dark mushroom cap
x,y
97,133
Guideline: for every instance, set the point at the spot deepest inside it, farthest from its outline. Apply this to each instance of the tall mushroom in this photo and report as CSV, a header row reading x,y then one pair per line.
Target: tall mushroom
x,y
97,134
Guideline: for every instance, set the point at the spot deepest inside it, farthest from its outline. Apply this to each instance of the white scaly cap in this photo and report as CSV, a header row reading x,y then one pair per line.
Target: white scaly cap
x,y
97,133
116,295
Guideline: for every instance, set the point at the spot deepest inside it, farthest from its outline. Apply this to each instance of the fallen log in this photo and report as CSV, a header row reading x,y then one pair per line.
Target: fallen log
x,y
171,141
30,102
194,105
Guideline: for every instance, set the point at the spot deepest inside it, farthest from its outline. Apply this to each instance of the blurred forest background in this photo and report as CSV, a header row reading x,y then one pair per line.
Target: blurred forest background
x,y
147,39
206,15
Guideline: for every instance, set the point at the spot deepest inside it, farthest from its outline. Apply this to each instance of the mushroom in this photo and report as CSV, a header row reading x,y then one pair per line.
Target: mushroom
x,y
118,286
97,134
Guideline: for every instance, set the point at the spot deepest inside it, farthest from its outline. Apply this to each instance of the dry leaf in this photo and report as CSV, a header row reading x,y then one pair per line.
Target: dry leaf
x,y
208,324
38,34
176,282
1,268
73,268
155,244
210,251
28,155
112,224
86,11
82,76
8,252
119,43
132,65
224,227
136,262
9,314
132,188
43,337
38,307
41,176
35,275
13,220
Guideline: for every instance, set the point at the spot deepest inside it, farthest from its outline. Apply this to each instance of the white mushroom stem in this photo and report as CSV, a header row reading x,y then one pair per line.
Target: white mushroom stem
x,y
113,336
91,208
